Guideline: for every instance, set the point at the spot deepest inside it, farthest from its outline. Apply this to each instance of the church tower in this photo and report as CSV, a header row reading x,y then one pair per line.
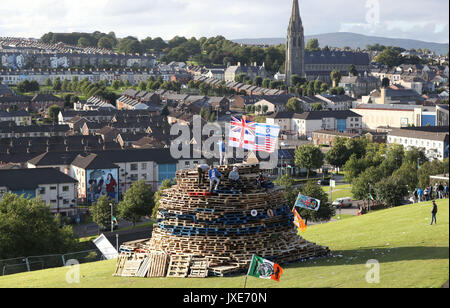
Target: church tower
x,y
295,45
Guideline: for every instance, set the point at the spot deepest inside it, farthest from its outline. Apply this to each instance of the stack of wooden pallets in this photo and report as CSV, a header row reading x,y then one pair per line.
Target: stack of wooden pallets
x,y
223,229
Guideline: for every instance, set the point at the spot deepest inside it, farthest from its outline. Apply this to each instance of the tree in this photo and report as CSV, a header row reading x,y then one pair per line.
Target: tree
x,y
48,82
339,154
165,111
337,91
258,81
312,45
391,191
137,202
106,42
53,112
362,186
28,228
309,157
326,211
285,180
83,42
317,106
266,83
407,175
142,86
390,57
294,105
166,184
335,77
115,84
352,70
296,80
385,83
101,212
57,84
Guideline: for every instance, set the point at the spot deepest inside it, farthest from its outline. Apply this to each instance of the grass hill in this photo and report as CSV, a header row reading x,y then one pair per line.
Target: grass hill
x,y
411,253
354,40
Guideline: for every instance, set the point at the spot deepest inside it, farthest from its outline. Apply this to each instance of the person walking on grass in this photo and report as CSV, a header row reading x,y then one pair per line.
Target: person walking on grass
x,y
434,213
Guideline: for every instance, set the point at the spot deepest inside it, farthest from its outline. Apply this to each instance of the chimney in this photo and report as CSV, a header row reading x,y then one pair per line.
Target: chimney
x,y
383,95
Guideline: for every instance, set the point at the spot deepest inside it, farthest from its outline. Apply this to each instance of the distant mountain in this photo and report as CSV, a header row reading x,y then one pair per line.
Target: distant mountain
x,y
353,40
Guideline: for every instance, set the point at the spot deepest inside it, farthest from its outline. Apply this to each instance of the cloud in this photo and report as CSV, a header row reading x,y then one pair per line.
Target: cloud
x,y
232,18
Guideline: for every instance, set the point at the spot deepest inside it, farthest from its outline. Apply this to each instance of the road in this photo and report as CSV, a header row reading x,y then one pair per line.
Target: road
x,y
92,228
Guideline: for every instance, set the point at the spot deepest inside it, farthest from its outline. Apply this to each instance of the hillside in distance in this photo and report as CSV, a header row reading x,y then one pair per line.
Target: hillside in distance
x,y
353,40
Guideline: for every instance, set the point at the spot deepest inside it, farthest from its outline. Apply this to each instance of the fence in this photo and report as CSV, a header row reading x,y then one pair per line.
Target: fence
x,y
35,263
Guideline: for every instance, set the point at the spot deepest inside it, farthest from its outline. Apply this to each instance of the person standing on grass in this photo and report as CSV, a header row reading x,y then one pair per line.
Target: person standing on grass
x,y
434,213
441,191
446,190
420,194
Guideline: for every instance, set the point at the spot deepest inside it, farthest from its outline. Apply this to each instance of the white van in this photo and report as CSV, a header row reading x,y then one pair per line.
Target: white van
x,y
346,202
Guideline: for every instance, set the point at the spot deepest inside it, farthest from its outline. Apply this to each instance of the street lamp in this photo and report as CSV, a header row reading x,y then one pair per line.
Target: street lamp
x,y
112,221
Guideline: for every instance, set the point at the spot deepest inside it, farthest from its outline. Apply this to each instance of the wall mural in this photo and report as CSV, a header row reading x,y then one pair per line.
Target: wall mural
x,y
102,182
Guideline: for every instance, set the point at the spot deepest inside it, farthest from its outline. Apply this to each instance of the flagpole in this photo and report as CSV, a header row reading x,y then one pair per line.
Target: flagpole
x,y
246,276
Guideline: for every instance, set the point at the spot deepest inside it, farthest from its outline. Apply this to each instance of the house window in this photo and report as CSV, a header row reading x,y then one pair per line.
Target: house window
x,y
144,166
53,188
42,191
65,188
134,167
133,177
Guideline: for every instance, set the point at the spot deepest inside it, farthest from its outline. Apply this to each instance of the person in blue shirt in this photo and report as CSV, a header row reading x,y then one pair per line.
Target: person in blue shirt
x,y
214,177
420,194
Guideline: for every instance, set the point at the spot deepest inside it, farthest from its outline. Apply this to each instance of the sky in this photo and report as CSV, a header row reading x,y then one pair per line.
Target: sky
x,y
235,19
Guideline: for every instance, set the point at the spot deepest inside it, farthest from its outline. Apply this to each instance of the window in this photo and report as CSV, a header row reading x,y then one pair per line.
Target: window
x,y
42,191
65,188
144,166
133,177
134,167
53,188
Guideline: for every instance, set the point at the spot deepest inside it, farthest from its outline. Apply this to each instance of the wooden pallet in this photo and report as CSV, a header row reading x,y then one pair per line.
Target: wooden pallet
x,y
199,268
158,264
179,266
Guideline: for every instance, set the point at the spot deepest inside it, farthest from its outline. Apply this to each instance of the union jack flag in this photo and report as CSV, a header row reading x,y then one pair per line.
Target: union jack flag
x,y
242,134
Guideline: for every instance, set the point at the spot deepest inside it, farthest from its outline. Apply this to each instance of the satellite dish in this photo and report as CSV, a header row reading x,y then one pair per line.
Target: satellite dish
x,y
254,213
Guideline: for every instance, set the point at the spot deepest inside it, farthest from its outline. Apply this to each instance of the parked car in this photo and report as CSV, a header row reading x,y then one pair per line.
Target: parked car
x,y
344,202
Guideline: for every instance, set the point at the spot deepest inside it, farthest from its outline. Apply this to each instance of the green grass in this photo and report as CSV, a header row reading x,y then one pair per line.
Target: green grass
x,y
411,253
340,191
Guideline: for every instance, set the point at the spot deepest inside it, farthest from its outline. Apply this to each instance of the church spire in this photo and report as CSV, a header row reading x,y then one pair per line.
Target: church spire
x,y
295,45
295,17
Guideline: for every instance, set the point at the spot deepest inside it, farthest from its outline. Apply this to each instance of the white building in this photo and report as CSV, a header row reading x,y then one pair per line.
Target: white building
x,y
434,144
56,189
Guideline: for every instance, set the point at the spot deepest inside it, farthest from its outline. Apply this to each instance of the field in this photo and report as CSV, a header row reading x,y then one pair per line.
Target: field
x,y
410,252
340,191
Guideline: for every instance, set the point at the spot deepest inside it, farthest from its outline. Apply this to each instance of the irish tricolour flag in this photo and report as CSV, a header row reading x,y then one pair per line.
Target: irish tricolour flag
x,y
265,269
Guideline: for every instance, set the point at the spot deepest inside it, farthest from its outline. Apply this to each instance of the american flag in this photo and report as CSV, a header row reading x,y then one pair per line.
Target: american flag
x,y
242,134
266,137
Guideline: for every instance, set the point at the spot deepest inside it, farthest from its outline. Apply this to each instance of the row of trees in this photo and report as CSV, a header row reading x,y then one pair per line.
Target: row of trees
x,y
385,174
95,39
84,87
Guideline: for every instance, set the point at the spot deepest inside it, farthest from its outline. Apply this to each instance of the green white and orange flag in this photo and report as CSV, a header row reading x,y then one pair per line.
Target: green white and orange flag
x,y
298,221
265,269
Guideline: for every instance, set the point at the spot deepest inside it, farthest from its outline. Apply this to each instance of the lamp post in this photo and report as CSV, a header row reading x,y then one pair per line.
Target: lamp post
x,y
112,222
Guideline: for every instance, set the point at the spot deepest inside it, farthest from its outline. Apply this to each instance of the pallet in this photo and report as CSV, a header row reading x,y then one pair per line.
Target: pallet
x,y
179,266
158,264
